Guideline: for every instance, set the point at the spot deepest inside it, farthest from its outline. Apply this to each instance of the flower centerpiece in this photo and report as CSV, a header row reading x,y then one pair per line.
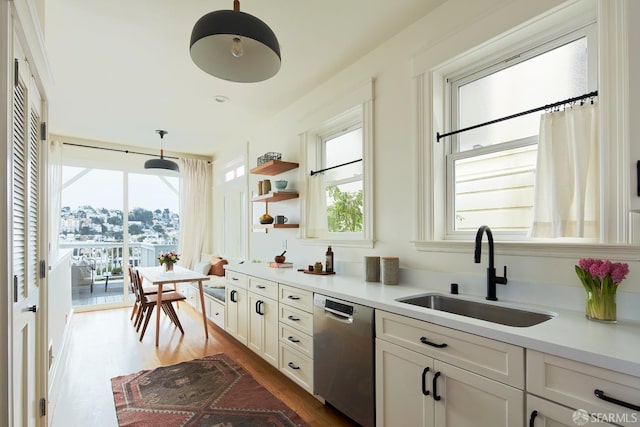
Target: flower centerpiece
x,y
600,279
168,259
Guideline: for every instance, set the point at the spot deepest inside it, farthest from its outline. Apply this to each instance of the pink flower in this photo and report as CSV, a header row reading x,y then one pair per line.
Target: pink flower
x,y
585,263
619,271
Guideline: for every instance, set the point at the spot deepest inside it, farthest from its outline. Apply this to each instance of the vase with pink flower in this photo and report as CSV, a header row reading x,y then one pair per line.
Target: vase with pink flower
x,y
601,278
167,259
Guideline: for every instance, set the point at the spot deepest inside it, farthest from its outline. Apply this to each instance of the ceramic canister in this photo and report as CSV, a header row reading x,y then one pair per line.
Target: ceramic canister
x,y
390,270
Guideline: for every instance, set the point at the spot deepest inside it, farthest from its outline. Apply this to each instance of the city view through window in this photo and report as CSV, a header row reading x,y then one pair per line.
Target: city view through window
x,y
94,226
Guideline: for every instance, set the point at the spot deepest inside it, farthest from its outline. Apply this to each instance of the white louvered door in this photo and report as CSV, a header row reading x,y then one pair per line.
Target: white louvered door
x,y
25,187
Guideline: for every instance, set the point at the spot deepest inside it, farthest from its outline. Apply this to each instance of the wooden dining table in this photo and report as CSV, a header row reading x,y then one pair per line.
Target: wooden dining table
x,y
159,277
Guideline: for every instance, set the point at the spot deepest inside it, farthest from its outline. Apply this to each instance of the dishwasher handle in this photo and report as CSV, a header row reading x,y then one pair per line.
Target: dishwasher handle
x,y
338,315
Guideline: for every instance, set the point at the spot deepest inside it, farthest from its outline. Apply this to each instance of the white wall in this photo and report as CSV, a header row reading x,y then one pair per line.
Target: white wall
x,y
457,23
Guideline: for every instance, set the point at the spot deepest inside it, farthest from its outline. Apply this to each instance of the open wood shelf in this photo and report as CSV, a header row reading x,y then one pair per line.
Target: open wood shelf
x,y
268,226
274,167
275,197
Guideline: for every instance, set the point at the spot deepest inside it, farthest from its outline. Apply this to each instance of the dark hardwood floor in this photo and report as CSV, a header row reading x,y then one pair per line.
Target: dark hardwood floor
x,y
103,344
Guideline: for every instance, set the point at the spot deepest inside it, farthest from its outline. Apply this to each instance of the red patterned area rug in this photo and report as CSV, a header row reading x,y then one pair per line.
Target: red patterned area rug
x,y
212,391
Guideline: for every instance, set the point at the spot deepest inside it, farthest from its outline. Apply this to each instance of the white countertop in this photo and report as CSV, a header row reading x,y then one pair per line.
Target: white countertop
x,y
570,334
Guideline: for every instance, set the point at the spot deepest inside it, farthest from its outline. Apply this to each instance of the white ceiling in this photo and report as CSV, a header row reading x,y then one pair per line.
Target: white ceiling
x,y
122,69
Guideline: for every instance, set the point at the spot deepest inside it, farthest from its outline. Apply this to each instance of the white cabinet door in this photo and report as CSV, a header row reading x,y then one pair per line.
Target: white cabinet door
x,y
464,398
403,387
236,313
263,327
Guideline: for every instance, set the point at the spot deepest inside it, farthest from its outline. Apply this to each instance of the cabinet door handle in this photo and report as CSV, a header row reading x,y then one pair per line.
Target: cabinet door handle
x,y
293,297
424,381
293,365
261,287
292,318
292,339
435,386
600,395
424,340
532,418
259,305
232,296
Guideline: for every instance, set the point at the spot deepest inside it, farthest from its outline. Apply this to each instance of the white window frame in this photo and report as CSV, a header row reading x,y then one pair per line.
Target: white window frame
x,y
359,113
488,66
429,69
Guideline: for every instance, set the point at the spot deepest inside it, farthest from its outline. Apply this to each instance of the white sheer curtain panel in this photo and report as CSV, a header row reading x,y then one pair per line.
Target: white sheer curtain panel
x,y
193,209
316,207
566,192
55,197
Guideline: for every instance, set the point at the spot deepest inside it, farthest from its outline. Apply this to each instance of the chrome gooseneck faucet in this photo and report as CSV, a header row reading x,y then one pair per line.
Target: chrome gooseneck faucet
x,y
492,279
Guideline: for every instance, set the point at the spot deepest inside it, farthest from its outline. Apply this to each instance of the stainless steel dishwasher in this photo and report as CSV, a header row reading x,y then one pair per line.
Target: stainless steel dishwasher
x,y
343,357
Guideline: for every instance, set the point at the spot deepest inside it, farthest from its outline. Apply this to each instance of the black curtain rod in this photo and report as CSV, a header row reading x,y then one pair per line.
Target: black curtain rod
x,y
546,107
117,150
336,166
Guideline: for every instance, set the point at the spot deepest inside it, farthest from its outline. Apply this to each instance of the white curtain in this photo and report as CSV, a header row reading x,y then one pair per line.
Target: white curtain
x,y
193,210
316,207
566,191
55,197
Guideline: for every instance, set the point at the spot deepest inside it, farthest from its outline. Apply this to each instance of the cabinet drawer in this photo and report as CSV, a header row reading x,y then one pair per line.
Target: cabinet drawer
x,y
297,367
215,312
263,287
494,359
236,279
574,383
549,414
296,339
300,320
295,297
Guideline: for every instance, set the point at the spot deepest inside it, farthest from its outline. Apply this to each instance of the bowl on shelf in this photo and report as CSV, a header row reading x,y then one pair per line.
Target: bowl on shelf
x,y
266,219
281,184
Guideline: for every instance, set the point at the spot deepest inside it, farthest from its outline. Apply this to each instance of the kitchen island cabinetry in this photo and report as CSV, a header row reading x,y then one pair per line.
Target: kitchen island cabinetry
x,y
262,335
427,375
605,395
236,315
296,335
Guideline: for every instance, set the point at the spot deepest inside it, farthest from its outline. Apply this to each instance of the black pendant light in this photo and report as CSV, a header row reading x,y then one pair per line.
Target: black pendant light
x,y
235,46
161,163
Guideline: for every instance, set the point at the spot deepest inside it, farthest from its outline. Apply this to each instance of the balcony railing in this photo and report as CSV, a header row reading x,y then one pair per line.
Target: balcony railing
x,y
98,268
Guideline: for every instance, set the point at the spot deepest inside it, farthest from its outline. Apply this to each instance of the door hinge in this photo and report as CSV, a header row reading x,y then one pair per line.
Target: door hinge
x,y
43,407
43,269
43,131
16,75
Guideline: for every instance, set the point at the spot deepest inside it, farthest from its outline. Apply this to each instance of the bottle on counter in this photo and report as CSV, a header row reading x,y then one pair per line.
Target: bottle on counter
x,y
328,264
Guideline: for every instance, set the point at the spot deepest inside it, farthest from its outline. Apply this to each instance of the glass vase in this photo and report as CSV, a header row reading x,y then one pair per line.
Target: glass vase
x,y
601,307
168,266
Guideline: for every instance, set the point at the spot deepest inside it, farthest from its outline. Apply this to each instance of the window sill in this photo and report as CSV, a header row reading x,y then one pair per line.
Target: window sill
x,y
338,243
537,249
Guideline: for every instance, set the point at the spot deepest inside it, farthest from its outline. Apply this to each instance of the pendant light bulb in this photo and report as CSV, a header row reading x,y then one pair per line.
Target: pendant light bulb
x,y
236,47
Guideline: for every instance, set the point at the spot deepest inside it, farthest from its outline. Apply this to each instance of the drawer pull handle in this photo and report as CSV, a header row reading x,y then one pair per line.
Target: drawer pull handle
x,y
293,297
600,395
424,381
424,340
235,278
292,339
292,318
293,365
435,386
261,287
532,418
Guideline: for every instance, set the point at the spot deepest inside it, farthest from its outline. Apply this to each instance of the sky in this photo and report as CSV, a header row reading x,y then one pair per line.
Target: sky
x,y
104,189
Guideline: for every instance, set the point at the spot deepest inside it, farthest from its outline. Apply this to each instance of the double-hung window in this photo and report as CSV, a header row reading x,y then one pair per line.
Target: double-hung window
x,y
490,170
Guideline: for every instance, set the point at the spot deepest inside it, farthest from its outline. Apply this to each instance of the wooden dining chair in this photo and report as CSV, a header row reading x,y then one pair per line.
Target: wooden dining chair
x,y
149,301
146,290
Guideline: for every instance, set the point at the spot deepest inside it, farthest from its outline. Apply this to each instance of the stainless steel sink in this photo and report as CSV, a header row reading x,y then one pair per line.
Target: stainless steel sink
x,y
479,310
